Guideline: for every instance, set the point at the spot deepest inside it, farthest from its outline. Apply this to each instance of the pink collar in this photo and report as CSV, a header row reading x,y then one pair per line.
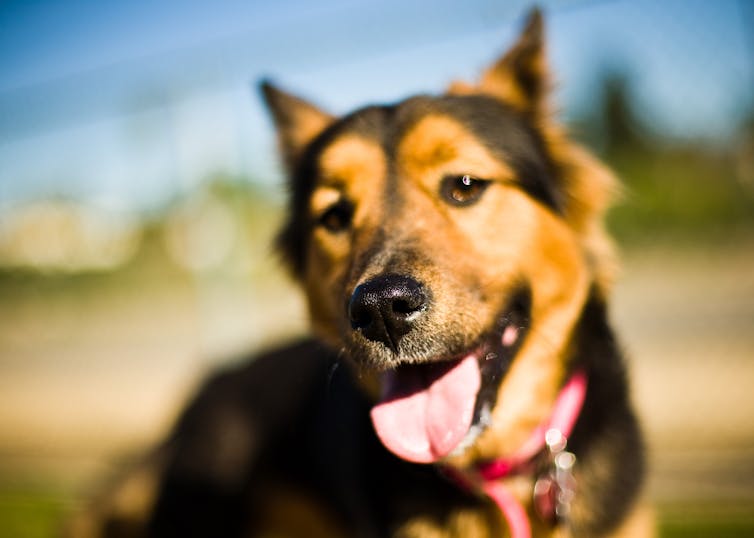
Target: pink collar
x,y
552,493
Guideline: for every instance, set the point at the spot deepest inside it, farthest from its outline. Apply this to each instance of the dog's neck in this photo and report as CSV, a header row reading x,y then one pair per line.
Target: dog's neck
x,y
553,490
605,414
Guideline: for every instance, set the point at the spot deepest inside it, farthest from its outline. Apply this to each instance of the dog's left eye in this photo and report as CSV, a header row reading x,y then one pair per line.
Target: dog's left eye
x,y
462,190
337,217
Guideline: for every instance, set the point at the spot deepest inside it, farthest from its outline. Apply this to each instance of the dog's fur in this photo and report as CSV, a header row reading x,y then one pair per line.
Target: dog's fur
x,y
283,446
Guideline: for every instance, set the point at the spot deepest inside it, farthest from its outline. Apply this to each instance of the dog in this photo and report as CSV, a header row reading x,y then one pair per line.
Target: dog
x,y
463,380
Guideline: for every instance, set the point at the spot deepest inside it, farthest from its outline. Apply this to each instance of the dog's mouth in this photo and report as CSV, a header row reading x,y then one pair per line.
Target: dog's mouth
x,y
435,409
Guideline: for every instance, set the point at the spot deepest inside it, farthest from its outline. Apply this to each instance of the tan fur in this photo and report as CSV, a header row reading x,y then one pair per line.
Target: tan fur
x,y
522,238
322,199
472,259
590,186
351,168
591,189
310,124
546,253
460,523
521,77
289,513
128,503
508,235
505,237
438,145
298,123
353,162
487,523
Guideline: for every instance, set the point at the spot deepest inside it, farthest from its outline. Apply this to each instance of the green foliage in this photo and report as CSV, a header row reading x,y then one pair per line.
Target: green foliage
x,y
39,512
31,513
683,191
707,529
684,194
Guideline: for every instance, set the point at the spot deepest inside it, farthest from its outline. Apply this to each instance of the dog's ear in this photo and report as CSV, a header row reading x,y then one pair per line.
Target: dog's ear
x,y
297,121
520,77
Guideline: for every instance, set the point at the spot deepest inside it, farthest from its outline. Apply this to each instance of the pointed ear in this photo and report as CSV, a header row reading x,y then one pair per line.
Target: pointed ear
x,y
297,121
521,77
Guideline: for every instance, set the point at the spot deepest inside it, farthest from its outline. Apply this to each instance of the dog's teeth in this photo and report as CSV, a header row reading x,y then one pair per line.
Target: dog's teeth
x,y
485,417
510,335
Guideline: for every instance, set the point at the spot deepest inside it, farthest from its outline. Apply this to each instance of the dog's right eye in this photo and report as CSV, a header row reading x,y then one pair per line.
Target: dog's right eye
x,y
337,217
462,190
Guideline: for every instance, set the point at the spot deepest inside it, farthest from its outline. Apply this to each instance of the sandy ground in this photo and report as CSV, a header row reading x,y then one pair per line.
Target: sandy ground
x,y
686,319
84,384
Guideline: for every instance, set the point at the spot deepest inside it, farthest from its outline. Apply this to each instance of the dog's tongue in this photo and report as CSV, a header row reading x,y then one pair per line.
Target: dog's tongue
x,y
426,411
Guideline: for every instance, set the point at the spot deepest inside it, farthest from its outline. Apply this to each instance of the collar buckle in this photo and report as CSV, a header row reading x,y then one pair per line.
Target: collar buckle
x,y
554,492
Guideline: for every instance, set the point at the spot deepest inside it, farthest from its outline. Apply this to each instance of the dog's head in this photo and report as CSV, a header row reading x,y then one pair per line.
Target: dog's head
x,y
448,244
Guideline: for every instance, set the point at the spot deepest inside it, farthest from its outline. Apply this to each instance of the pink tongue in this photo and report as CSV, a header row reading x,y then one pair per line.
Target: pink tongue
x,y
426,411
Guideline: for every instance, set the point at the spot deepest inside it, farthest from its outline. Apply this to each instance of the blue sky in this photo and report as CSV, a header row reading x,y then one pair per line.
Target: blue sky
x,y
125,103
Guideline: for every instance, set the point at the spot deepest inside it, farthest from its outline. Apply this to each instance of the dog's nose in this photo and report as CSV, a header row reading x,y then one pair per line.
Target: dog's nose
x,y
386,308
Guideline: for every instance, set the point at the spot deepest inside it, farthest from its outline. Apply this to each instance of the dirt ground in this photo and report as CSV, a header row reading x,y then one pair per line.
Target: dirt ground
x,y
686,318
86,381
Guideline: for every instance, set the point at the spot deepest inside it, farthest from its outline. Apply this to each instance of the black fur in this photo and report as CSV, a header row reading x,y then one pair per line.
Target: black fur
x,y
310,429
607,424
507,133
295,417
295,422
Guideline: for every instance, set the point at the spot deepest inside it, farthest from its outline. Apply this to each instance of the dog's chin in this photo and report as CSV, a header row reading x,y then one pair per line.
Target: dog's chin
x,y
436,406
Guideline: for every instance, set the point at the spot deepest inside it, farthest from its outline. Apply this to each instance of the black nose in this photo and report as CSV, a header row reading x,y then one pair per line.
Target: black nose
x,y
386,308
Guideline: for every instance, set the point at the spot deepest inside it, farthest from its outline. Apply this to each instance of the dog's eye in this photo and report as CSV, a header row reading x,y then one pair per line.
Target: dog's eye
x,y
462,190
337,217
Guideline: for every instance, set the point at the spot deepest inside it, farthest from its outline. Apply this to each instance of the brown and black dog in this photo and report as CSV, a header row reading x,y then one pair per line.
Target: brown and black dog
x,y
453,255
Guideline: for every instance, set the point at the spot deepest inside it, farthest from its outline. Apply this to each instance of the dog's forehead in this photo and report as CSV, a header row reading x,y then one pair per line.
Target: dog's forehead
x,y
423,128
387,125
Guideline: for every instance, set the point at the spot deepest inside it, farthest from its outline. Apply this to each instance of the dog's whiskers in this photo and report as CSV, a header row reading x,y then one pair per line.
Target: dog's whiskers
x,y
331,372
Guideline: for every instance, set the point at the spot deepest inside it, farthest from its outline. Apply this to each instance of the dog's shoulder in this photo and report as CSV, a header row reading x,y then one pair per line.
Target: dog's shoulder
x,y
244,405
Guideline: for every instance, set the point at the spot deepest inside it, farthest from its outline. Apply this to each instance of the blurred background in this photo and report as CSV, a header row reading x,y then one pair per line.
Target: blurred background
x,y
139,190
